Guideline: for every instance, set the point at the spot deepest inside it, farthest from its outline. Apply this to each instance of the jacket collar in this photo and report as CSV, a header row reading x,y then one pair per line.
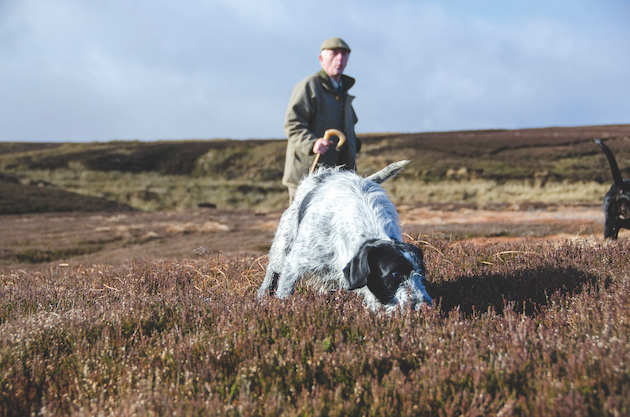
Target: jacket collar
x,y
346,82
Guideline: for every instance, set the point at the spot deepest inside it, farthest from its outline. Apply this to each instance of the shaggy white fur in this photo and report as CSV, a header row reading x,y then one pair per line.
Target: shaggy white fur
x,y
342,231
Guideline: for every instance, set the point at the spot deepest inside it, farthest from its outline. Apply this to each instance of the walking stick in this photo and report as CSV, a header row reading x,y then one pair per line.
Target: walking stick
x,y
328,134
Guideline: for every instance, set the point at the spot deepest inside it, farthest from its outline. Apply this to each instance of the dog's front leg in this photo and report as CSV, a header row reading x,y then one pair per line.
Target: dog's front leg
x,y
611,229
280,249
287,280
270,283
621,224
277,256
611,214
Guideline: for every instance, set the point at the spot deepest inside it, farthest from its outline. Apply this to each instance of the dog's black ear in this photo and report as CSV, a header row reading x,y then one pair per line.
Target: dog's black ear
x,y
416,250
358,269
407,247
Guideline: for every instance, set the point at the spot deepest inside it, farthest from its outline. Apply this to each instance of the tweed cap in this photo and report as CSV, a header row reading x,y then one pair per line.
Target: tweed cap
x,y
334,43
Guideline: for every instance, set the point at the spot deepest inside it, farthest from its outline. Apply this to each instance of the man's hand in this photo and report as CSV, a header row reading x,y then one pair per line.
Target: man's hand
x,y
321,145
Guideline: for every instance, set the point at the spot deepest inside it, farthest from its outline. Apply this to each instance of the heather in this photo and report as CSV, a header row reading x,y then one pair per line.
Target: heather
x,y
545,165
528,328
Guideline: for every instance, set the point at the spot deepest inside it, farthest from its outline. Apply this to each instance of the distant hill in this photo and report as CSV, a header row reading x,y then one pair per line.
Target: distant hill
x,y
18,198
554,153
247,173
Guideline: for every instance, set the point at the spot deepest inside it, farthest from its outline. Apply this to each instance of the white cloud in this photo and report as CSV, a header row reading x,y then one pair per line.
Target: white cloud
x,y
101,70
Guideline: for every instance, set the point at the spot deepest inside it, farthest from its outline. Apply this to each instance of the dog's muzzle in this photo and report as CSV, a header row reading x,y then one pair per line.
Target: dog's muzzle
x,y
413,293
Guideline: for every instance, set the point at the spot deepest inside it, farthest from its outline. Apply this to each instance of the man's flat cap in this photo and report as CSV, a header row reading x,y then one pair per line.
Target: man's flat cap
x,y
334,43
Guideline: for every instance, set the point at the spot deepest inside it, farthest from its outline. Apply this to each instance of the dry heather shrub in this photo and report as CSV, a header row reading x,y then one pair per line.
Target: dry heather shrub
x,y
519,329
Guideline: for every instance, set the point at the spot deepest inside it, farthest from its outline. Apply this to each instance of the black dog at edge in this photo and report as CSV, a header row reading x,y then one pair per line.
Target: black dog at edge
x,y
617,199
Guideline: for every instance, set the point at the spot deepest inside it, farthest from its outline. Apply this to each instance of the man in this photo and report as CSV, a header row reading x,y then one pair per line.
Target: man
x,y
318,103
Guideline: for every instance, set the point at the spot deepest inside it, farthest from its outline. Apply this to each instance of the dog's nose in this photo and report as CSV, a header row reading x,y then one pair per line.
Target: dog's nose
x,y
417,305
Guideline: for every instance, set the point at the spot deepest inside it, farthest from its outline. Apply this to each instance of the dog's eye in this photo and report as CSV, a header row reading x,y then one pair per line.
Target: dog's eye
x,y
397,275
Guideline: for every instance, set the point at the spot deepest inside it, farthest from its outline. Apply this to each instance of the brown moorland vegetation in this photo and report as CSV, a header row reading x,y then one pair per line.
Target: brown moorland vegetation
x,y
541,165
120,296
529,328
118,201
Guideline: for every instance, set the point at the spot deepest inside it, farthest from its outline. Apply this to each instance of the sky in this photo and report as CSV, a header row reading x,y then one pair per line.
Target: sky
x,y
101,70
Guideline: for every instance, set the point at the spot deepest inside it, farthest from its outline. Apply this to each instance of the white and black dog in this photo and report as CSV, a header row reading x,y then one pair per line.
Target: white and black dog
x,y
342,231
616,200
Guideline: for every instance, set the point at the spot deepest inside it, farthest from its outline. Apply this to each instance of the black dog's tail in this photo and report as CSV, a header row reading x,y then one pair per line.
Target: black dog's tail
x,y
613,164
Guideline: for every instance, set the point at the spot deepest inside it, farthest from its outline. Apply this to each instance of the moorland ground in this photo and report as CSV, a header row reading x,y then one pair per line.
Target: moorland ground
x,y
117,201
128,274
43,240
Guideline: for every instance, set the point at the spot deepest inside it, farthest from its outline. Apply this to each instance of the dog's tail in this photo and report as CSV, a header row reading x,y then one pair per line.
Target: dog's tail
x,y
389,171
613,164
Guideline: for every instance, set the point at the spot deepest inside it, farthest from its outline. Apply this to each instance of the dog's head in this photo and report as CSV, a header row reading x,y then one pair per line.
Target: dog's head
x,y
392,271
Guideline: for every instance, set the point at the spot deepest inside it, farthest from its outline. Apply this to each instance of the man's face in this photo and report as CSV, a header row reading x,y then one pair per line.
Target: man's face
x,y
334,61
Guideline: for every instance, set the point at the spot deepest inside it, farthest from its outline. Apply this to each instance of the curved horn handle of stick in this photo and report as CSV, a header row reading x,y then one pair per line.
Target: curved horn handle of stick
x,y
338,133
327,135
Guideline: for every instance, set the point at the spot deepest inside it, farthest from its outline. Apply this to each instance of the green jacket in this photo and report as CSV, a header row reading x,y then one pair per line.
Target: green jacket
x,y
315,106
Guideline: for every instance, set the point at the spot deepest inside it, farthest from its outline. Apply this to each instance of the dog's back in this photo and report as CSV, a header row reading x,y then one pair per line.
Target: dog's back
x,y
347,203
